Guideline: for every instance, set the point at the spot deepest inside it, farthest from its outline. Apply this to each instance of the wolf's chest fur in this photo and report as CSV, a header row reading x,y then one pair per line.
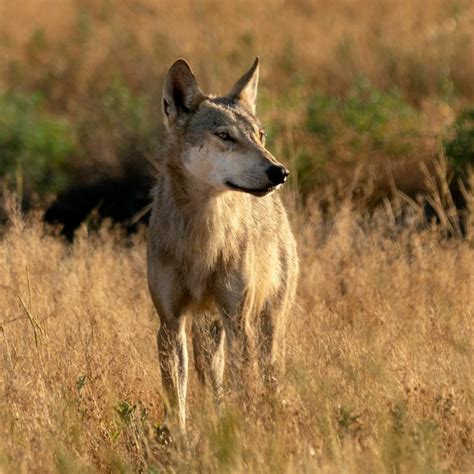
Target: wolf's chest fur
x,y
205,239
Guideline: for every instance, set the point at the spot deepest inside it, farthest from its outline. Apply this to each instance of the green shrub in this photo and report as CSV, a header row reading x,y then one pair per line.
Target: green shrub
x,y
383,116
368,117
460,147
367,126
322,110
129,118
35,147
119,126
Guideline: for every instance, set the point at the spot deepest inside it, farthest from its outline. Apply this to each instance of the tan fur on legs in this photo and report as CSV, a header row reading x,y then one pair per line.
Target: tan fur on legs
x,y
173,352
209,352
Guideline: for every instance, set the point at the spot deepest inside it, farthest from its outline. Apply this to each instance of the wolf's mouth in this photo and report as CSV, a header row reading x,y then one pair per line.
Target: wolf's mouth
x,y
256,192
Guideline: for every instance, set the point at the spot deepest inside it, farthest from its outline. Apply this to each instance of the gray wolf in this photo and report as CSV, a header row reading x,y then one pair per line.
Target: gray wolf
x,y
219,238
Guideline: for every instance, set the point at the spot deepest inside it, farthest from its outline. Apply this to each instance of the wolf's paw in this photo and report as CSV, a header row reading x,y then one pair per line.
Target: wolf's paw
x,y
163,434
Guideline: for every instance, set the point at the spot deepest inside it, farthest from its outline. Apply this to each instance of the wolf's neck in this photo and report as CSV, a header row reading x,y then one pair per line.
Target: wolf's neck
x,y
207,222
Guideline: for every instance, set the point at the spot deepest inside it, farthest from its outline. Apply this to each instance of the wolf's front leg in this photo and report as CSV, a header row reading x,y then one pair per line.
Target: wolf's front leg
x,y
271,347
209,352
240,349
173,354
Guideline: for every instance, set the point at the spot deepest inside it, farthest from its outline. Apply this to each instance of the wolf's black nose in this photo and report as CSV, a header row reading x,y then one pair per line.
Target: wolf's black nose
x,y
277,174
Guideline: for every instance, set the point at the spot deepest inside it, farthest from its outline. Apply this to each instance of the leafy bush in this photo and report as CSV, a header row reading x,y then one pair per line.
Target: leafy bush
x,y
127,114
118,127
367,127
35,147
370,117
460,148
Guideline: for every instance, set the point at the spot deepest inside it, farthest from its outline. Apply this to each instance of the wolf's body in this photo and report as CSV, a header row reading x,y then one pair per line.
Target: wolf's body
x,y
219,240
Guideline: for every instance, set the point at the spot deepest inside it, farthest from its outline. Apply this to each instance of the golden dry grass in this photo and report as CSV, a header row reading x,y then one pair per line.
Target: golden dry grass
x,y
379,369
411,43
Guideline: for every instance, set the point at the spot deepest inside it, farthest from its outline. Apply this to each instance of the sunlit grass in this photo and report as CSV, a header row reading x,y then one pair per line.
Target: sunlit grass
x,y
378,372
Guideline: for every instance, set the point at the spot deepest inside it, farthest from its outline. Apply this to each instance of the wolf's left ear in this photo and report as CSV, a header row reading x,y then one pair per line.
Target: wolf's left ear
x,y
245,89
181,93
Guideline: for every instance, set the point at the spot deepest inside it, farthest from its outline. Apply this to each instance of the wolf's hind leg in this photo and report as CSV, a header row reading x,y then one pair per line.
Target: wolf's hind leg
x,y
273,324
209,352
271,347
173,354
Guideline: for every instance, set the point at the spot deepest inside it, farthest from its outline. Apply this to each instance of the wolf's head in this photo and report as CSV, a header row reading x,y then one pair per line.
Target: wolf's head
x,y
222,142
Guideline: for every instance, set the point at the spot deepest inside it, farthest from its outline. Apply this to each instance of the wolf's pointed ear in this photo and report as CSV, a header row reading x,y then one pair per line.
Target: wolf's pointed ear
x,y
181,93
245,89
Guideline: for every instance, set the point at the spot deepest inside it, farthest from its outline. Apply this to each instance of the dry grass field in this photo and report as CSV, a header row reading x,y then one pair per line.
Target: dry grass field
x,y
360,98
379,371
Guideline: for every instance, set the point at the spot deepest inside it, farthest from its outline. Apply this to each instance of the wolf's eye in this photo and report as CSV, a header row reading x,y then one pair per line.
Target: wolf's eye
x,y
262,135
225,136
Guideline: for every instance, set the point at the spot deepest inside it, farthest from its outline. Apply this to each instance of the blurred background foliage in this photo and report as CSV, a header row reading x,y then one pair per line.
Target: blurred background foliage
x,y
34,146
360,87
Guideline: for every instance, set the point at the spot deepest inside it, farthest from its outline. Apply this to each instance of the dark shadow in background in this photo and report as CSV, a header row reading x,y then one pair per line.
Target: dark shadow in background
x,y
122,197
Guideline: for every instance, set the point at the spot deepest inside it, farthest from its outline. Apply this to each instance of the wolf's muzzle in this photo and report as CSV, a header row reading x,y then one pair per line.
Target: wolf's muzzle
x,y
277,174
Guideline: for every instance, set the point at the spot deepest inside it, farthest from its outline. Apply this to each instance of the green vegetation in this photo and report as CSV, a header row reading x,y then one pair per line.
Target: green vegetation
x,y
460,148
41,150
128,119
35,147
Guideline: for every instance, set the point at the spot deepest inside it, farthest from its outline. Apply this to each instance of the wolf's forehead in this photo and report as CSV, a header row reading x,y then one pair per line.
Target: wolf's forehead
x,y
217,113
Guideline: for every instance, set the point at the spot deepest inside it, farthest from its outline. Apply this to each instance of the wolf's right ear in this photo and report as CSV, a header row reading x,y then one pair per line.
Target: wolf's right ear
x,y
181,93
